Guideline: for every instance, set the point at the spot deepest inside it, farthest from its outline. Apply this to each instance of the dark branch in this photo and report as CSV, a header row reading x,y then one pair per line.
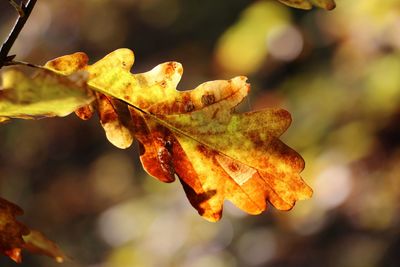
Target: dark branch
x,y
6,47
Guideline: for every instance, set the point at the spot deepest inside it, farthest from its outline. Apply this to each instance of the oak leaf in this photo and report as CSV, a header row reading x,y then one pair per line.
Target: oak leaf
x,y
11,231
46,94
195,135
114,117
307,4
15,236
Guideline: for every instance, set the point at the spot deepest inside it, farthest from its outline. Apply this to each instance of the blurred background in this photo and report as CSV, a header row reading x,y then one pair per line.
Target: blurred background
x,y
337,72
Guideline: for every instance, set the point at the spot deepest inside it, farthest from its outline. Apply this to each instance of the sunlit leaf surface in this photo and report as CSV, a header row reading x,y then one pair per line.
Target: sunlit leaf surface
x,y
307,4
216,153
342,91
44,95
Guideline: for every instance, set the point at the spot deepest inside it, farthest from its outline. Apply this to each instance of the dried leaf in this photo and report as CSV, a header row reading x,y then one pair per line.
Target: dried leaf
x,y
307,4
234,157
15,236
11,231
216,153
85,112
44,95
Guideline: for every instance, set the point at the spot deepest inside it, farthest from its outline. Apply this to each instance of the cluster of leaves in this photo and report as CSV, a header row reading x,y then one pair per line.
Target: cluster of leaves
x,y
194,135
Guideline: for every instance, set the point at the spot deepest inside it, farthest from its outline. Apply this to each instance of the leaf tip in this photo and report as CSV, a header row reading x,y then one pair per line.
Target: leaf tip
x,y
122,57
307,193
212,217
330,6
68,64
14,254
284,115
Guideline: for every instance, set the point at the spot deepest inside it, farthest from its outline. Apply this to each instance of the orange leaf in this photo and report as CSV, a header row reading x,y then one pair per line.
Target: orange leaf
x,y
216,153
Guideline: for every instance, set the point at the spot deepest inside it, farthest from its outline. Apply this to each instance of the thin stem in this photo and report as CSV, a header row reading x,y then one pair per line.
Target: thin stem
x,y
18,7
6,47
21,63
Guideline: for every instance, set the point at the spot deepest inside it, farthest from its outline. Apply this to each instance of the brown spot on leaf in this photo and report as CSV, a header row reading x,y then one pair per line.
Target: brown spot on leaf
x,y
283,115
255,138
330,6
108,116
233,167
164,158
189,106
208,99
170,69
206,151
70,63
85,112
187,103
214,115
168,145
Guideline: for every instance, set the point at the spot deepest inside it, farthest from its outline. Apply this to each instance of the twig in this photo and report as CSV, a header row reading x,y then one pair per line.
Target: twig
x,y
21,63
18,7
6,47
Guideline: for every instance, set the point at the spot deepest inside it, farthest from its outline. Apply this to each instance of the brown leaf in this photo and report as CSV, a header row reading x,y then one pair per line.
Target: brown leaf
x,y
11,231
15,236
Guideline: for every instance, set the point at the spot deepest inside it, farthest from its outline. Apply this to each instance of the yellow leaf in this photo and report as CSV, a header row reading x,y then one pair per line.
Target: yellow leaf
x,y
115,119
195,135
307,4
44,95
